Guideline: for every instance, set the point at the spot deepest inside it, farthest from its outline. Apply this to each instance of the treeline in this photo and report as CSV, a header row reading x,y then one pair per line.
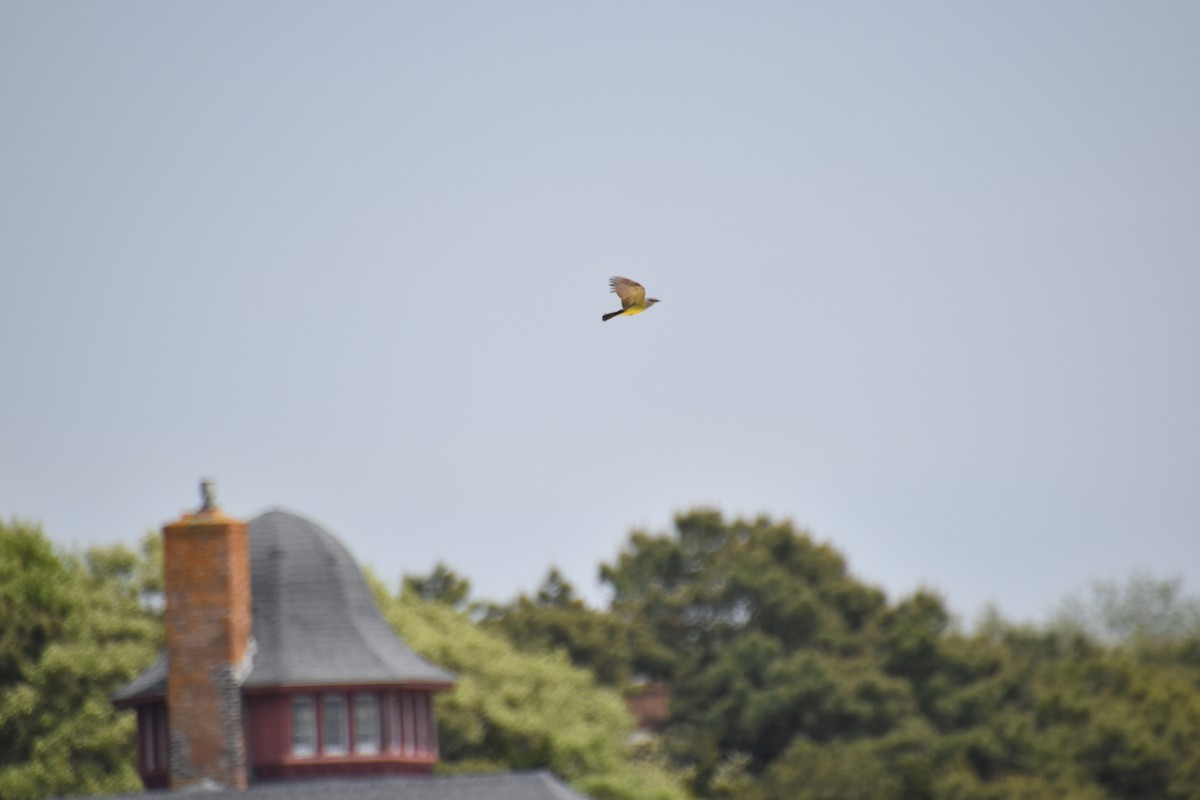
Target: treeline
x,y
788,677
792,680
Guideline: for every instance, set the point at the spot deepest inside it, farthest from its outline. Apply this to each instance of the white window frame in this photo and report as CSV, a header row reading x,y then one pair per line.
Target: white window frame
x,y
334,710
299,747
368,729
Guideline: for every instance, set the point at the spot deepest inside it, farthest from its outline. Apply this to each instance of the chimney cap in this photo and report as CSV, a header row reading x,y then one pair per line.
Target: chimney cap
x,y
208,494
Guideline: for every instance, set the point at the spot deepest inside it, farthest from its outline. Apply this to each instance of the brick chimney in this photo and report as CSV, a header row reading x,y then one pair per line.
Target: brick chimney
x,y
206,571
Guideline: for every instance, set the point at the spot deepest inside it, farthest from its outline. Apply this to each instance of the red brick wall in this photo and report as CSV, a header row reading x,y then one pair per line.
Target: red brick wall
x,y
206,571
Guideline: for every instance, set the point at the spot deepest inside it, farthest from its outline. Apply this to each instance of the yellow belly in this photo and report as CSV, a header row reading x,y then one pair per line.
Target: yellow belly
x,y
629,312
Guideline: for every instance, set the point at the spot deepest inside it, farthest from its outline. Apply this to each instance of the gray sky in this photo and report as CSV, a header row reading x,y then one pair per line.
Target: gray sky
x,y
929,275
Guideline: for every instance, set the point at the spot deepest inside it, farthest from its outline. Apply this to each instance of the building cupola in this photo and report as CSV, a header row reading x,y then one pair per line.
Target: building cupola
x,y
278,663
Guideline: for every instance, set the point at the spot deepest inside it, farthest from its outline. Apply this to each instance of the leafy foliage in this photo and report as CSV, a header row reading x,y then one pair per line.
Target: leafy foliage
x,y
443,585
791,679
72,630
515,710
556,619
1143,609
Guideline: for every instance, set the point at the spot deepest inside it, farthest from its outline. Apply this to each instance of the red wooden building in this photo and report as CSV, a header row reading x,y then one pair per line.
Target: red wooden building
x,y
278,664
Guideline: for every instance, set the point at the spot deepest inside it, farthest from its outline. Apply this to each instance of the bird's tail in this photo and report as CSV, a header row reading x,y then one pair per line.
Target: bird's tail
x,y
610,315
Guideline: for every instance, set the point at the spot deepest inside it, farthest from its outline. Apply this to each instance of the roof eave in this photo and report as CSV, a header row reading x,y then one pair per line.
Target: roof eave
x,y
349,686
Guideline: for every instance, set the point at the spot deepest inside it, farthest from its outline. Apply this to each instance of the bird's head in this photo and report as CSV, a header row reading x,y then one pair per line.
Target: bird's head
x,y
651,301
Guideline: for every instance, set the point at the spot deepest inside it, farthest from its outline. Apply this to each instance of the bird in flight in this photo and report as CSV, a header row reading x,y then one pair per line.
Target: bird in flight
x,y
633,297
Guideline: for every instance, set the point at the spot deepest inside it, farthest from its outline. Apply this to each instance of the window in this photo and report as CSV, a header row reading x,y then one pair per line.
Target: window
x,y
406,719
152,728
423,723
149,742
304,725
366,724
333,726
393,712
162,732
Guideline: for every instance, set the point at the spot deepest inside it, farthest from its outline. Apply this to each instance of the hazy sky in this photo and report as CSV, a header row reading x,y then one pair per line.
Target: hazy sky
x,y
930,279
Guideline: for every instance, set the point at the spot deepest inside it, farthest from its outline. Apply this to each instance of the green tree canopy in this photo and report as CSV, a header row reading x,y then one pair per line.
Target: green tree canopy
x,y
556,619
72,630
790,679
517,710
443,585
1143,610
763,635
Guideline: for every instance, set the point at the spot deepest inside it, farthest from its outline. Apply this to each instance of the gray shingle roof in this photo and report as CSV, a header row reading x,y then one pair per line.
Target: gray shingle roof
x,y
510,786
315,621
151,683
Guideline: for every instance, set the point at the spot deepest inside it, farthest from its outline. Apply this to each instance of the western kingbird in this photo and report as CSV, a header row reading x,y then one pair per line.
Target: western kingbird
x,y
633,297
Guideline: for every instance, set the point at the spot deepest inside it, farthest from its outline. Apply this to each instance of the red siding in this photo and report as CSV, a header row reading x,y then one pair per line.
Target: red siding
x,y
408,735
269,725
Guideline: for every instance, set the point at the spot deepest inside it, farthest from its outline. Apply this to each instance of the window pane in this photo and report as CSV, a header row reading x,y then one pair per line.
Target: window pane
x,y
366,723
406,721
394,722
304,725
161,733
334,725
422,723
146,714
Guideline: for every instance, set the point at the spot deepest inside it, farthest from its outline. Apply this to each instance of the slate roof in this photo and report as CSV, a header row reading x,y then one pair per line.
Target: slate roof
x,y
503,786
315,621
151,683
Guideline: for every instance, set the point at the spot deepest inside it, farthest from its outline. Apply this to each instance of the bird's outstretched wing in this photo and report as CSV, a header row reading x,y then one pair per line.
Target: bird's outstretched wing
x,y
631,293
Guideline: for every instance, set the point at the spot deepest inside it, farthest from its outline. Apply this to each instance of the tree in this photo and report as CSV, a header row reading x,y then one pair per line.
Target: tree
x,y
763,636
697,590
1144,609
515,710
556,619
34,599
861,769
443,585
73,629
790,679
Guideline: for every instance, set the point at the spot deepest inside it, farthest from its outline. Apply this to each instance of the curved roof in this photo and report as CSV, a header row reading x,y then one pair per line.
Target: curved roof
x,y
315,621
